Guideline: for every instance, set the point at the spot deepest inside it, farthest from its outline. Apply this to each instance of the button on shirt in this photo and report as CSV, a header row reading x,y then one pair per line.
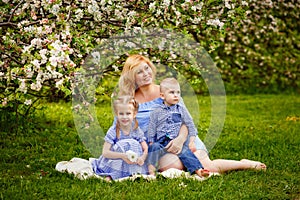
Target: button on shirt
x,y
166,121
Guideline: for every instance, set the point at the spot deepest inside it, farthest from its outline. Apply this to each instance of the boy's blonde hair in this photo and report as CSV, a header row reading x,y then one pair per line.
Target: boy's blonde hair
x,y
165,83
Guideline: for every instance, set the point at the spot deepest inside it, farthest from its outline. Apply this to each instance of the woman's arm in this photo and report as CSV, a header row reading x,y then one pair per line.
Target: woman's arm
x,y
192,144
175,145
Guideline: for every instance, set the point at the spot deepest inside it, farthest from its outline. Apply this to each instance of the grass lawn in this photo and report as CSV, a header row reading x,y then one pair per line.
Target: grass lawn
x,y
259,127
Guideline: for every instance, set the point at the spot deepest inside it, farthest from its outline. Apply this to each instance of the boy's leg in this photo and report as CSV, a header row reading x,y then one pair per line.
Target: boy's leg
x,y
191,162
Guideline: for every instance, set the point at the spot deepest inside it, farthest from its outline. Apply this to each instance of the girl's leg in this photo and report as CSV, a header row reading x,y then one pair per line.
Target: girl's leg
x,y
222,165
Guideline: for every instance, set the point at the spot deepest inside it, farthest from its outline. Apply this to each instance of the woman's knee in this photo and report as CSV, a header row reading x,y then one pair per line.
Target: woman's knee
x,y
170,161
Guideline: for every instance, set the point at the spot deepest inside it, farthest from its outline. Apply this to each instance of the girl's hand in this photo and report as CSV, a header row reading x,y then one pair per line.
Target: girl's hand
x,y
125,158
140,161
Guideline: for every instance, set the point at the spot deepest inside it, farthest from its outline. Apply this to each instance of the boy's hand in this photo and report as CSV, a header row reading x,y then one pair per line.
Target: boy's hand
x,y
174,146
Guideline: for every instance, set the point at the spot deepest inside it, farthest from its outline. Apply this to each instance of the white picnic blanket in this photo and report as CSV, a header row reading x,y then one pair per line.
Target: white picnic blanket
x,y
82,169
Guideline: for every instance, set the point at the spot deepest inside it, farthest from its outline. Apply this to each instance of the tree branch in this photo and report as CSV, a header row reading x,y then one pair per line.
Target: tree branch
x,y
8,24
14,10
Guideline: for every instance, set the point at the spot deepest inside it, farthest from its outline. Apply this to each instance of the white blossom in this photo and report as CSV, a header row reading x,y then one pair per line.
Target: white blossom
x,y
78,14
28,102
22,86
215,22
36,86
152,6
55,9
166,3
244,3
29,72
53,61
131,14
26,49
96,57
115,68
59,83
36,63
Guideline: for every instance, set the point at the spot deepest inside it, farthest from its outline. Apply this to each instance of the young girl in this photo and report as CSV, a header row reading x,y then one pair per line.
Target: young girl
x,y
125,150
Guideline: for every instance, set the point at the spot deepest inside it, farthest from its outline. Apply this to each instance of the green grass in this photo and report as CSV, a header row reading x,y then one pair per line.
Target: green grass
x,y
255,128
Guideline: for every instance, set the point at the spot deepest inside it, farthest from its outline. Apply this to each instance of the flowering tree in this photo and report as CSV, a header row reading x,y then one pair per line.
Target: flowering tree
x,y
45,42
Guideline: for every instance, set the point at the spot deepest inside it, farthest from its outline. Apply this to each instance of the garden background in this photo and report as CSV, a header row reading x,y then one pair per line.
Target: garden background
x,y
254,44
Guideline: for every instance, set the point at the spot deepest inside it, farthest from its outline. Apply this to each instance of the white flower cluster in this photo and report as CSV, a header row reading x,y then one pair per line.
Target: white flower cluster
x,y
49,29
215,22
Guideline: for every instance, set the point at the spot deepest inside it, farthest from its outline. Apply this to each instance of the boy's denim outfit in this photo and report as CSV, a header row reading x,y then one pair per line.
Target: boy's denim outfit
x,y
164,126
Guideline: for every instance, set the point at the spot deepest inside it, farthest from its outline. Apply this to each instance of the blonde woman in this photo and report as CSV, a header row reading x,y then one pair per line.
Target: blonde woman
x,y
137,79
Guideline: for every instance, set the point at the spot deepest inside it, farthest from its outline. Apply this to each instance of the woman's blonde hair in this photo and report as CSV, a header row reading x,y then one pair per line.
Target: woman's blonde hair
x,y
127,83
125,100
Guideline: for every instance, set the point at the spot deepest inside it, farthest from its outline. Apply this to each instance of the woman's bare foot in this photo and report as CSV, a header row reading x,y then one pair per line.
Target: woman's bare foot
x,y
202,172
256,165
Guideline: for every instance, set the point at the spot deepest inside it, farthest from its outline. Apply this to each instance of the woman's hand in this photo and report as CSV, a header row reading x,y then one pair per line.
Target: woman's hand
x,y
192,146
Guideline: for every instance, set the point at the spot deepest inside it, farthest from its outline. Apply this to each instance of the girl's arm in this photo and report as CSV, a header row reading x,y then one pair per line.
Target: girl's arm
x,y
141,159
107,153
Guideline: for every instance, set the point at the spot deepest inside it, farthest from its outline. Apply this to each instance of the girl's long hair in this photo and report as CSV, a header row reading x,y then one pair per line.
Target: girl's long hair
x,y
127,85
125,100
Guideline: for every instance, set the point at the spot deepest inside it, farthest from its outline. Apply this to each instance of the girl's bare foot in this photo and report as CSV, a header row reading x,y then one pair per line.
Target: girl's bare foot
x,y
256,165
108,179
202,172
151,170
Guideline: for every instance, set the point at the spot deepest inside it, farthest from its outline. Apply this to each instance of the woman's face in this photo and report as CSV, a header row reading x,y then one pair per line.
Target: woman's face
x,y
143,75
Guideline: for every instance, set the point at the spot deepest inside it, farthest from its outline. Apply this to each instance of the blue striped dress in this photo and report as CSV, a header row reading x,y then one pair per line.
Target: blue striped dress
x,y
118,168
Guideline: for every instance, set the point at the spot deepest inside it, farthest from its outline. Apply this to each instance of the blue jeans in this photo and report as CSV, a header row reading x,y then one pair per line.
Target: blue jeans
x,y
187,157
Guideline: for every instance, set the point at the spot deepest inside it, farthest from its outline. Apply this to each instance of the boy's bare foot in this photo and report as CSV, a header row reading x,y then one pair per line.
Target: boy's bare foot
x,y
256,165
202,172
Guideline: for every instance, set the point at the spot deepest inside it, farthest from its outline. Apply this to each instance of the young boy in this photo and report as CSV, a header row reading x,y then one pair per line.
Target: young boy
x,y
164,126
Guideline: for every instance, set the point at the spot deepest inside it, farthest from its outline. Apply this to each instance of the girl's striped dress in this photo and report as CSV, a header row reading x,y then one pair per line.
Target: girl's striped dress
x,y
118,168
